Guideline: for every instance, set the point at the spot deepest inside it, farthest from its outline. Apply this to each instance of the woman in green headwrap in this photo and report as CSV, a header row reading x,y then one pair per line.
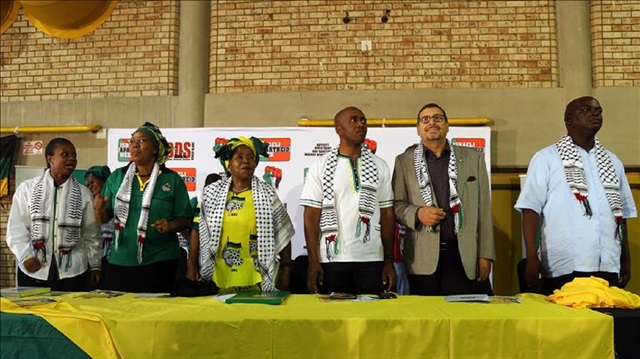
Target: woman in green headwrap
x,y
244,231
149,204
95,178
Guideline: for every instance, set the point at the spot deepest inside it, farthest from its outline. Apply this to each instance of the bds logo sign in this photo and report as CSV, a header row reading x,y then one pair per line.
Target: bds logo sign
x,y
123,150
477,143
188,176
182,151
279,149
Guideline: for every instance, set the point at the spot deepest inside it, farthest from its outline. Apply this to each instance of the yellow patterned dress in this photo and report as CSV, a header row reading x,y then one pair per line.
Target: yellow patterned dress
x,y
235,267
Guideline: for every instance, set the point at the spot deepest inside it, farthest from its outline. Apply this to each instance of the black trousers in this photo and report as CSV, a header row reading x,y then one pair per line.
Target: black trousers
x,y
104,272
449,277
551,284
156,277
352,277
79,283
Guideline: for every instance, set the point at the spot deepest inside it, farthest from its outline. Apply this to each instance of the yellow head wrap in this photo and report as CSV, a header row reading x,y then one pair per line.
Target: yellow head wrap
x,y
223,153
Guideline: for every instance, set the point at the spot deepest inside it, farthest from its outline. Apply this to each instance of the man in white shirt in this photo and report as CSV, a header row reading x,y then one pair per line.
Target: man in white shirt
x,y
348,215
577,194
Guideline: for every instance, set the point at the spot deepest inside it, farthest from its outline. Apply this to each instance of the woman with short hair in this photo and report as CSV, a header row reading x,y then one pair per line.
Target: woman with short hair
x,y
51,229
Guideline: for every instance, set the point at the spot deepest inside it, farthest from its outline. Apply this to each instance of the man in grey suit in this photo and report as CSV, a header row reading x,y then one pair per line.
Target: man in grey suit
x,y
442,197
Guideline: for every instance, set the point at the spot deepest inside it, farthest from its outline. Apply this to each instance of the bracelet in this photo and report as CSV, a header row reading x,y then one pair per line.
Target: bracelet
x,y
388,257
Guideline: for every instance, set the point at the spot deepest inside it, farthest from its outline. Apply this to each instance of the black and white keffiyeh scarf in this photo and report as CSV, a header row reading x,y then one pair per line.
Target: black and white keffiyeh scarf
x,y
424,182
577,179
121,208
272,222
68,231
366,204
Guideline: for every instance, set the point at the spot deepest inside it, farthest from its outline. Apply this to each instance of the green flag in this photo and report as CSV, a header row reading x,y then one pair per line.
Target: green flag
x,y
7,149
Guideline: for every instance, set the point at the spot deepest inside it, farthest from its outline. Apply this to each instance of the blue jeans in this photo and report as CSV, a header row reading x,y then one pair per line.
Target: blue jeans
x,y
402,283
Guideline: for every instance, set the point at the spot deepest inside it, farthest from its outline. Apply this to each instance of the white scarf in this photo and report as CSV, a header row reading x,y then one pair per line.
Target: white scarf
x,y
121,208
69,226
577,179
366,204
424,182
272,221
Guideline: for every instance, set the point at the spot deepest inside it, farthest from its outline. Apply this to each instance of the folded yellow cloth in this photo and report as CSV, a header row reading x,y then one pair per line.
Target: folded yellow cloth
x,y
594,292
69,320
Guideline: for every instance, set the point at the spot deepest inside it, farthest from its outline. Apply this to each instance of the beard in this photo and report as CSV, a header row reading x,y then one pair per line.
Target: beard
x,y
431,136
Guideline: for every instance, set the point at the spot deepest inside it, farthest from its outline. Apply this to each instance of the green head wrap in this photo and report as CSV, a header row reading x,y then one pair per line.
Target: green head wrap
x,y
101,172
224,152
159,142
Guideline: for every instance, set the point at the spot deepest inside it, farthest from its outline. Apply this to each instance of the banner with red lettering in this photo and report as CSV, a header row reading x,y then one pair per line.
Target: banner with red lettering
x,y
291,150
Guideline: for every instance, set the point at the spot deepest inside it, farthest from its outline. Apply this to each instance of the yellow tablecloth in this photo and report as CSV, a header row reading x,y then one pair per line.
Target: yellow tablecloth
x,y
303,327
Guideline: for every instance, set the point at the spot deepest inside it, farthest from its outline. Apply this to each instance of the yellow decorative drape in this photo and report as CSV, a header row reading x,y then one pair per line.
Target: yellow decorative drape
x,y
68,19
8,14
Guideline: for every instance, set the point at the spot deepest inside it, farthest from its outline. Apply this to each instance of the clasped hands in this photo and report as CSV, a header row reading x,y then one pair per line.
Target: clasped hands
x,y
163,226
100,205
430,216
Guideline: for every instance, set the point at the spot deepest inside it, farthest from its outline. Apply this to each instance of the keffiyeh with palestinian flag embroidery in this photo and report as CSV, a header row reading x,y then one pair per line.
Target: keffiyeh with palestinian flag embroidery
x,y
577,179
68,230
424,183
122,202
367,201
272,222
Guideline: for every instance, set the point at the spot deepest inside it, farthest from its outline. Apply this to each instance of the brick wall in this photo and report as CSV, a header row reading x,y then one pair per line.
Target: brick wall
x,y
134,53
7,259
304,45
615,34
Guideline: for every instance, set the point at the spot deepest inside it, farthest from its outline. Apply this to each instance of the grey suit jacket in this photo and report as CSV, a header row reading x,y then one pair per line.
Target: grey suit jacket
x,y
475,238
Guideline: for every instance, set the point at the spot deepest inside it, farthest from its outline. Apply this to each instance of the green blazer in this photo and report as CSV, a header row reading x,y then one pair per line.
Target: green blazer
x,y
475,238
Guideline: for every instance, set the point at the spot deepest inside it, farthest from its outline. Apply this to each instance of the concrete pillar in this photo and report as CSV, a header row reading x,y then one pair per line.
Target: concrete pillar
x,y
193,66
574,48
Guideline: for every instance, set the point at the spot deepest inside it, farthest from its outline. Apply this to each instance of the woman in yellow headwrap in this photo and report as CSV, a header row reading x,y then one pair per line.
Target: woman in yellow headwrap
x,y
149,204
244,230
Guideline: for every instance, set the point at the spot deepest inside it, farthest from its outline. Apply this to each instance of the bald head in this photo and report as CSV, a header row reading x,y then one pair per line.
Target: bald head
x,y
583,119
351,126
575,106
344,114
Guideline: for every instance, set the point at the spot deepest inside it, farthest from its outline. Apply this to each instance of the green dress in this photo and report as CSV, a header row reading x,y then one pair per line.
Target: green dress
x,y
170,201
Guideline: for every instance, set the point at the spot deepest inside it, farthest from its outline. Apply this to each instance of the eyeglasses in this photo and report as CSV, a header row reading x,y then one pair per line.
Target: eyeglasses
x,y
434,118
139,141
